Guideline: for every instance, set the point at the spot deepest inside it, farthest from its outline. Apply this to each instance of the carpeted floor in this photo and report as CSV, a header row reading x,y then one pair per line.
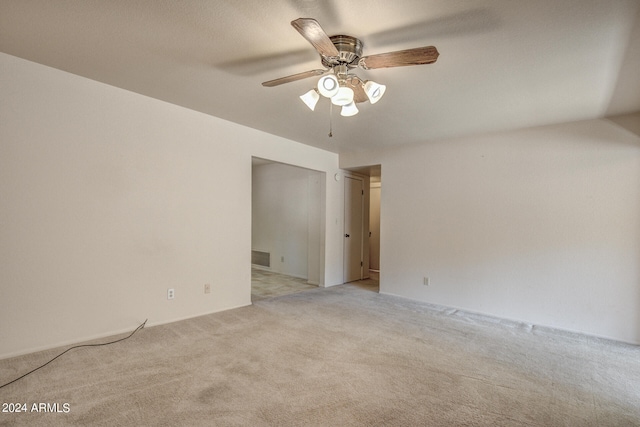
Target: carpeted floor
x,y
342,356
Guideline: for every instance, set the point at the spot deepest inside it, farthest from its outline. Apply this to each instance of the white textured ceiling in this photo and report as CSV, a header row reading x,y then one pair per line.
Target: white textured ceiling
x,y
503,64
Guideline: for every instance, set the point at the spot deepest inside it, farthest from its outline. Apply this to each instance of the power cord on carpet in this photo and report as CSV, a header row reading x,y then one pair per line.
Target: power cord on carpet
x,y
77,346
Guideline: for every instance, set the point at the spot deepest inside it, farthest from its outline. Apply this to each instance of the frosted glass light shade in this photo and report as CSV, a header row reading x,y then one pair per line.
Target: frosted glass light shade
x,y
374,91
328,85
349,110
343,97
311,98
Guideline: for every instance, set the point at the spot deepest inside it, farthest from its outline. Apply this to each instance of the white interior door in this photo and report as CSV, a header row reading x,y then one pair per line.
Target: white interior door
x,y
353,228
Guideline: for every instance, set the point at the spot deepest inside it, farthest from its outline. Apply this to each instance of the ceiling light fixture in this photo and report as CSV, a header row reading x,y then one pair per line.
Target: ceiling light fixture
x,y
349,110
328,85
341,53
374,91
343,97
341,87
311,98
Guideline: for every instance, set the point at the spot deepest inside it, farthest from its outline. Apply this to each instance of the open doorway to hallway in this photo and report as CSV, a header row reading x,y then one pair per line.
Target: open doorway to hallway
x,y
287,228
370,254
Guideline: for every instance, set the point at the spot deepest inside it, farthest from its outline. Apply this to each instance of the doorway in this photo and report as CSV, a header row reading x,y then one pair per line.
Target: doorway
x,y
362,267
287,229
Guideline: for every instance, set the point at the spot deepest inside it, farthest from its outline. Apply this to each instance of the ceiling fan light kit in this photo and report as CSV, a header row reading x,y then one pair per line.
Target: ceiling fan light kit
x,y
349,110
311,98
328,85
343,97
374,91
339,54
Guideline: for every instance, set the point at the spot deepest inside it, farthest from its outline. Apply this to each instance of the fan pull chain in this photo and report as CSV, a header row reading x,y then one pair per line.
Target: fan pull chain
x,y
331,120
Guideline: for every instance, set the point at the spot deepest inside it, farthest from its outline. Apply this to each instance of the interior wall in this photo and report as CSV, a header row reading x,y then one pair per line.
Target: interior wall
x,y
285,223
109,198
540,225
374,225
315,226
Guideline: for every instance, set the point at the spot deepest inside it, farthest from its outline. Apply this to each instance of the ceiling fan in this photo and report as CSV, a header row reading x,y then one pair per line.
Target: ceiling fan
x,y
339,55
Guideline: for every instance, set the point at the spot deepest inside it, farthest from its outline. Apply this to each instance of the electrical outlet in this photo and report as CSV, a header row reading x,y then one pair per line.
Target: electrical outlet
x,y
281,259
207,288
425,281
171,293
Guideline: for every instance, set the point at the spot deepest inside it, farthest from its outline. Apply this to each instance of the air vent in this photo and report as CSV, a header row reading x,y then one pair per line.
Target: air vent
x,y
262,259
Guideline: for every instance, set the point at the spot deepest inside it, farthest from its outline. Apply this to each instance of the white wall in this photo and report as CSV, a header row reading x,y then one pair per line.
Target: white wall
x,y
374,225
285,220
540,225
108,198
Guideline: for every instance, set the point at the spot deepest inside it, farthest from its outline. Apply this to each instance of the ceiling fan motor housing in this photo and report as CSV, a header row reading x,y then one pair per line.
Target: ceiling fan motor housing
x,y
350,49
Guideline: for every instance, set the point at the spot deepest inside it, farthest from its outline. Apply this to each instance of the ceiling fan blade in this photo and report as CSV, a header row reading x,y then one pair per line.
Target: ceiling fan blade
x,y
313,32
400,58
293,78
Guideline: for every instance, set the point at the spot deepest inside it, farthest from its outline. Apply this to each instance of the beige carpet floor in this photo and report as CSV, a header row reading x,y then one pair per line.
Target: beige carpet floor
x,y
342,356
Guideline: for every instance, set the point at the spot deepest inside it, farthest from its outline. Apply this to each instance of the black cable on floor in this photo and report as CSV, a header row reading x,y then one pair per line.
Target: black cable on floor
x,y
77,346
